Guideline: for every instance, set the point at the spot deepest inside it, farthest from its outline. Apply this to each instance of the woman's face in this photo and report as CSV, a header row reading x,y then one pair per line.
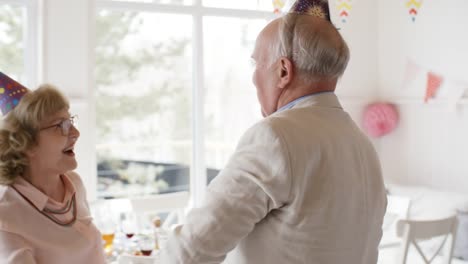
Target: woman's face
x,y
54,151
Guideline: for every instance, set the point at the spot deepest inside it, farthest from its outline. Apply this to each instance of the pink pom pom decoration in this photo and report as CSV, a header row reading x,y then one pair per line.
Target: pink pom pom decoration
x,y
380,119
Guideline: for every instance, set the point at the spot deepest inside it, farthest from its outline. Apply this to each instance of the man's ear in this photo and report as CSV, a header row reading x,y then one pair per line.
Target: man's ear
x,y
285,72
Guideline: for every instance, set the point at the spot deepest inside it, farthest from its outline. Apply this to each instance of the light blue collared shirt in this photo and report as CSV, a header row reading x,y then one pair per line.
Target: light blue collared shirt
x,y
296,101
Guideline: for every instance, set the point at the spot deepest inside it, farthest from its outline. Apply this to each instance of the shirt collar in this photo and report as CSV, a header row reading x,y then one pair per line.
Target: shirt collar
x,y
298,100
39,199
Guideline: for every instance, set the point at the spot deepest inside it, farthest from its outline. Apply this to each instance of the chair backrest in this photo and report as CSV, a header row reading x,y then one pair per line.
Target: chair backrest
x,y
397,209
173,203
413,231
398,205
108,214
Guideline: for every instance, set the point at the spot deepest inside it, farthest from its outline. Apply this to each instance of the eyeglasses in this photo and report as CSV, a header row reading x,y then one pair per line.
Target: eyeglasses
x,y
64,125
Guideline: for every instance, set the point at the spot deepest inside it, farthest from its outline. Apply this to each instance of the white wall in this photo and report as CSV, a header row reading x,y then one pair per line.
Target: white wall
x,y
430,145
358,86
360,32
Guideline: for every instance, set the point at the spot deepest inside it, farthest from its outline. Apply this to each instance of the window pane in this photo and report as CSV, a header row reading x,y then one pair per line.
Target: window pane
x,y
172,2
12,42
143,103
263,5
231,104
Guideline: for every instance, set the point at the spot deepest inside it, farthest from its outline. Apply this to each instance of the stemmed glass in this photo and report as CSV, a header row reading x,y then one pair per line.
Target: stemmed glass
x,y
146,244
128,225
106,224
128,228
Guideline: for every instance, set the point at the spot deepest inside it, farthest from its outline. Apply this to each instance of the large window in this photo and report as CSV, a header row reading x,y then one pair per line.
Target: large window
x,y
143,100
230,102
16,40
174,91
265,5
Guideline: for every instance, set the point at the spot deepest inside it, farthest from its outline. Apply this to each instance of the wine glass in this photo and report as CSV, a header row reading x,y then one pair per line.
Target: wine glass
x,y
146,245
128,224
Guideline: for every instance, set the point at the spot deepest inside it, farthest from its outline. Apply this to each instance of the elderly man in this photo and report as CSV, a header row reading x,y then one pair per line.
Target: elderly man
x,y
304,184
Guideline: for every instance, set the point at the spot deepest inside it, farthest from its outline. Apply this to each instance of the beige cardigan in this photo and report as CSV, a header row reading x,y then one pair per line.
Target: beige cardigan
x,y
303,186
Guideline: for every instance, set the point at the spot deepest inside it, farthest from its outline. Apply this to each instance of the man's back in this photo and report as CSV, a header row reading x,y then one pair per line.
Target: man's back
x,y
304,186
337,200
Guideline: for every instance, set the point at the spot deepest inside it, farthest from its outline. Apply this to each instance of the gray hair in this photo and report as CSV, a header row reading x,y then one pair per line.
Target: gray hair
x,y
316,49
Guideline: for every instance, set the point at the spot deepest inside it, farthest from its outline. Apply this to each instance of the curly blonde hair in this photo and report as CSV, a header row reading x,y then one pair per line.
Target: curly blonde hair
x,y
19,128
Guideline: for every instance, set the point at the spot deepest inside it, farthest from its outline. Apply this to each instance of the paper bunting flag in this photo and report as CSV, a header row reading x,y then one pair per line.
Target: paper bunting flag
x,y
278,5
433,84
437,84
413,7
455,92
411,72
344,8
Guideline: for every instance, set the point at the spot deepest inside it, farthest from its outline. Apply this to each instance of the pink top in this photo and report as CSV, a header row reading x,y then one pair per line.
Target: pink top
x,y
28,236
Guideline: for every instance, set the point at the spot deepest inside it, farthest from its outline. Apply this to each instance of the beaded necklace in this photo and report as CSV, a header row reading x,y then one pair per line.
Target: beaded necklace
x,y
49,213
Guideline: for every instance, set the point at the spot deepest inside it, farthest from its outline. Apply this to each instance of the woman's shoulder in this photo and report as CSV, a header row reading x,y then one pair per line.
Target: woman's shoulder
x,y
8,199
13,209
3,191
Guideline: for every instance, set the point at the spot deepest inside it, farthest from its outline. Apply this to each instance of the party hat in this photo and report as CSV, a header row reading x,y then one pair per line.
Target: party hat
x,y
317,8
10,93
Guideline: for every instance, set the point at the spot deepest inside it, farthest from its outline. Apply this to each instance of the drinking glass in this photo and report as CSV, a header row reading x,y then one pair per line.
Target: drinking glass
x,y
128,224
106,224
146,245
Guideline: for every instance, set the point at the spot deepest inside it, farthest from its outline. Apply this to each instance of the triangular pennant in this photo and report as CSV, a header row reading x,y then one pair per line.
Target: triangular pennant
x,y
455,92
411,72
456,89
344,9
433,84
278,5
413,8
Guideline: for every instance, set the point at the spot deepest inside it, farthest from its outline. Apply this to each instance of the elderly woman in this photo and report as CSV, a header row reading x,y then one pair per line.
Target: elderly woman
x,y
44,216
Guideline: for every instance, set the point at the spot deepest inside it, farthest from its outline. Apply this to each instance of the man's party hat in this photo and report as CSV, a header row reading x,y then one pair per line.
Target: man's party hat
x,y
317,8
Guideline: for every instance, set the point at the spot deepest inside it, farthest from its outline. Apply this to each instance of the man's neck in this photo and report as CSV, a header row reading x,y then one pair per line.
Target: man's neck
x,y
294,92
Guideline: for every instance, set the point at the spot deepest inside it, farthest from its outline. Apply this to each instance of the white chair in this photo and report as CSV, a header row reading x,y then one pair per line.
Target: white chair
x,y
172,203
144,208
397,209
413,232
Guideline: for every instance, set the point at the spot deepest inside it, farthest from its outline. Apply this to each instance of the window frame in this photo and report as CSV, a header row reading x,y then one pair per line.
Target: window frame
x,y
32,25
198,175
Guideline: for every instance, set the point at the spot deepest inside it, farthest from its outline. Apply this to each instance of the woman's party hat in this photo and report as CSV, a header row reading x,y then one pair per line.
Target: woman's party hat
x,y
10,93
